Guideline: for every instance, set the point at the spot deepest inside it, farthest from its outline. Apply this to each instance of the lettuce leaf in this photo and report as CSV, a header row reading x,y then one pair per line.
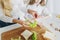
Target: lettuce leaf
x,y
34,36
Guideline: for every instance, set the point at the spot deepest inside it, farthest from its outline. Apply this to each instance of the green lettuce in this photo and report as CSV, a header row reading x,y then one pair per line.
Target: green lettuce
x,y
34,36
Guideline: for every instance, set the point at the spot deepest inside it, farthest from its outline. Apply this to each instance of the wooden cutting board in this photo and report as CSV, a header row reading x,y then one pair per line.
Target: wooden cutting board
x,y
16,33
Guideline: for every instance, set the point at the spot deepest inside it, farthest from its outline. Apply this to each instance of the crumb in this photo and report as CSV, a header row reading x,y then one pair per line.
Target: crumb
x,y
51,24
56,29
58,16
59,30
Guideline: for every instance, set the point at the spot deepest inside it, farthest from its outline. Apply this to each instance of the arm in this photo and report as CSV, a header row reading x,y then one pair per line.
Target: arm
x,y
6,18
10,20
33,13
46,13
14,21
23,23
6,6
18,21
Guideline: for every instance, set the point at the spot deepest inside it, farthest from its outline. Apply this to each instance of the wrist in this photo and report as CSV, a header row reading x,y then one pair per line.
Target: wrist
x,y
15,21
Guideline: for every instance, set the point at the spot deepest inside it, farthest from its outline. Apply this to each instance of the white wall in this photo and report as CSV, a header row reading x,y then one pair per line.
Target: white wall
x,y
56,6
50,5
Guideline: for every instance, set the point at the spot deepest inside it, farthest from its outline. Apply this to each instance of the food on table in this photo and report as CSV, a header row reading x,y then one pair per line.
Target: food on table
x,y
57,29
26,34
36,15
33,25
58,16
51,24
34,36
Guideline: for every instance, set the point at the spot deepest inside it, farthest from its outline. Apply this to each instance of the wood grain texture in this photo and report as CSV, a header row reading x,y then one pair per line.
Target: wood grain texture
x,y
17,32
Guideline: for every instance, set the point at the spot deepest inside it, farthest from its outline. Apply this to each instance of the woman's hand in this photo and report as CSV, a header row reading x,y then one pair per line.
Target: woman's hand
x,y
18,21
23,23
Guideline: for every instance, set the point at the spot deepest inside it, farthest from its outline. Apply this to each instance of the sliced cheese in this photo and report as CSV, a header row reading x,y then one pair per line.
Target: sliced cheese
x,y
49,35
26,34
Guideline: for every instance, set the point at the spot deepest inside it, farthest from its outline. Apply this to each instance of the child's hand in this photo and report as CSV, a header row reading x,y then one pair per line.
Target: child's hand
x,y
30,11
33,13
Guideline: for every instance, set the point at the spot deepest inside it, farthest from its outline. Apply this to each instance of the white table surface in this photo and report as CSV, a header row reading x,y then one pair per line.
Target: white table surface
x,y
56,24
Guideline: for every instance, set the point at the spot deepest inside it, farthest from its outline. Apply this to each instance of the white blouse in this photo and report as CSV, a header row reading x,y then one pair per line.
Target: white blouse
x,y
4,18
17,6
16,13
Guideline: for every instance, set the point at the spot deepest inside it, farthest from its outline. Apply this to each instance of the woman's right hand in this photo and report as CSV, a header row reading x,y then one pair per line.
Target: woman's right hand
x,y
23,23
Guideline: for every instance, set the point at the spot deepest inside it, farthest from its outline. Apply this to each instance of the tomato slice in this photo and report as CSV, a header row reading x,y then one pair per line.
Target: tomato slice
x,y
35,15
